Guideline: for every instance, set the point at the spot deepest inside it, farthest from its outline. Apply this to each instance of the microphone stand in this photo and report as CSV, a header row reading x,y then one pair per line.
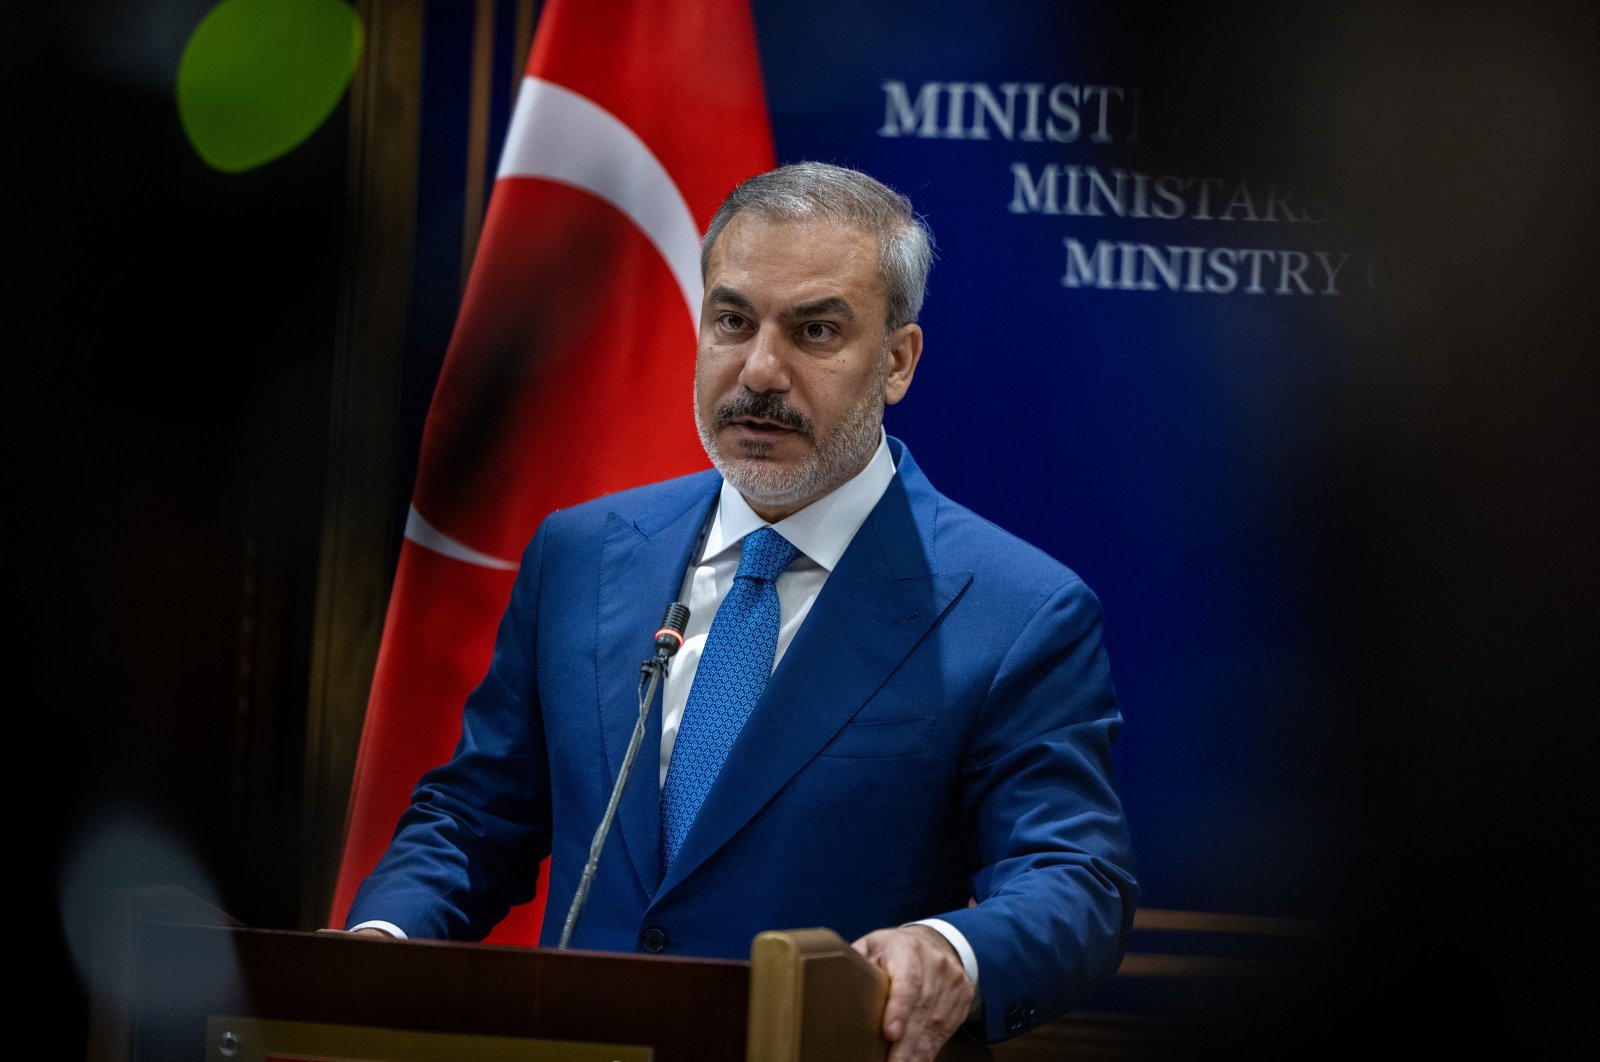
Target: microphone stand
x,y
668,641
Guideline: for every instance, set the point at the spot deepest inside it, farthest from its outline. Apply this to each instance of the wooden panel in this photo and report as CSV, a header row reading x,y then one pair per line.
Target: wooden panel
x,y
692,1010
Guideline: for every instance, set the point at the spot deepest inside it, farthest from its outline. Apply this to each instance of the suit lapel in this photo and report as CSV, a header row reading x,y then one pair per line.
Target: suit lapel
x,y
643,562
879,601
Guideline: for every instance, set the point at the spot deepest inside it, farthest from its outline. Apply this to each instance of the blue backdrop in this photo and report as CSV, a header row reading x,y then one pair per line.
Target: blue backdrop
x,y
1160,432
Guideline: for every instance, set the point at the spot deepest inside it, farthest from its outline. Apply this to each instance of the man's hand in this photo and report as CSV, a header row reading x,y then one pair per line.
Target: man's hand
x,y
929,994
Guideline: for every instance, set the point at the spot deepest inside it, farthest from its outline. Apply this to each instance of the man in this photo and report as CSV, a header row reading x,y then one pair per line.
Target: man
x,y
927,768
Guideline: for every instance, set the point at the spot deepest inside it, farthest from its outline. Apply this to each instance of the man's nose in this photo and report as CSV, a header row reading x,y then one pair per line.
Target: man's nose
x,y
766,364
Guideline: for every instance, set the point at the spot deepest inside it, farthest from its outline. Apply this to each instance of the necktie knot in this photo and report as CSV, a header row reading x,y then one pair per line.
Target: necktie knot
x,y
765,555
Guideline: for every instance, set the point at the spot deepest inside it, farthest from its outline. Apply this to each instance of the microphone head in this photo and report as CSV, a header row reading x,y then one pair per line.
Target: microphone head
x,y
677,617
669,639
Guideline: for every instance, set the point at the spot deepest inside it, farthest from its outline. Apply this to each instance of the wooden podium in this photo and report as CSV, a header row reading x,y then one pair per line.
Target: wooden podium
x,y
177,979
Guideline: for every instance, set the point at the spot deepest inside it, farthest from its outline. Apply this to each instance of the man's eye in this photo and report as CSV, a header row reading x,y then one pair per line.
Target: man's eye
x,y
816,331
731,322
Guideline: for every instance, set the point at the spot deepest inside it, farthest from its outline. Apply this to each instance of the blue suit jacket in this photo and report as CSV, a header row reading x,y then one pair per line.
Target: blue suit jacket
x,y
939,730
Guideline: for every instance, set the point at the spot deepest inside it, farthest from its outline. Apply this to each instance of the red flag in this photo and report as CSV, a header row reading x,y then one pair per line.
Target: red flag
x,y
569,371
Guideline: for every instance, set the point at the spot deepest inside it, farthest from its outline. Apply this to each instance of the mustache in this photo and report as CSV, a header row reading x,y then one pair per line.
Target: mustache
x,y
770,406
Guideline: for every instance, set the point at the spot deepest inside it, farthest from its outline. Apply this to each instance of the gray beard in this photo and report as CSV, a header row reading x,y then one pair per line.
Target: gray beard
x,y
834,458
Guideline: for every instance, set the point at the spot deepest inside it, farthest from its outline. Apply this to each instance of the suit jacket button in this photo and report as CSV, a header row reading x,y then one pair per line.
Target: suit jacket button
x,y
653,939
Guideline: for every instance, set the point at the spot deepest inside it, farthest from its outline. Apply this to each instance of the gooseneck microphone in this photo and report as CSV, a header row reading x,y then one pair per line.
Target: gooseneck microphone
x,y
668,640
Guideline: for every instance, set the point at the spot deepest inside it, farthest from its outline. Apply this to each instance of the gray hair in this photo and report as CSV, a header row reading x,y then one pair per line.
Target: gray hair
x,y
849,197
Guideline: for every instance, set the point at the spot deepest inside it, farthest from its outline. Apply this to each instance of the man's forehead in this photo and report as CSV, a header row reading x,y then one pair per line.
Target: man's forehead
x,y
820,265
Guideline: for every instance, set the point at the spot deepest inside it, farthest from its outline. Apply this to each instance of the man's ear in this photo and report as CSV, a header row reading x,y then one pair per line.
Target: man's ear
x,y
905,349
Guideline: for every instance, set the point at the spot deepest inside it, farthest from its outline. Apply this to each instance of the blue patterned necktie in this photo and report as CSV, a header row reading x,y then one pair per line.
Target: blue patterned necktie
x,y
733,671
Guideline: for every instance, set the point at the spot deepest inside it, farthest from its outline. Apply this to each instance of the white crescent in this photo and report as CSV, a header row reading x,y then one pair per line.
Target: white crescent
x,y
557,135
561,136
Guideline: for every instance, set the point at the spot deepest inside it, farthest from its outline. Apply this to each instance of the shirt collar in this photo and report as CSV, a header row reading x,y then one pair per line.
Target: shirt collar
x,y
822,530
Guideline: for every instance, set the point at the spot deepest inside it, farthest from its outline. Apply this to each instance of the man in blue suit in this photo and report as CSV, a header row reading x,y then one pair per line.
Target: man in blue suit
x,y
924,765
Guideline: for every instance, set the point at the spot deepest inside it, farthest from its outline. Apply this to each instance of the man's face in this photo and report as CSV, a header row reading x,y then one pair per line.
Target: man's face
x,y
794,364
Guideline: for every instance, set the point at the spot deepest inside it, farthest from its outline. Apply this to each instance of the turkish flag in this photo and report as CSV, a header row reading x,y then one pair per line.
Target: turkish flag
x,y
569,372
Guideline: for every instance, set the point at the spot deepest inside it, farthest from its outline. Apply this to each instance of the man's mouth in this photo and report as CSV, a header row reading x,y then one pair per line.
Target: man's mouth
x,y
761,424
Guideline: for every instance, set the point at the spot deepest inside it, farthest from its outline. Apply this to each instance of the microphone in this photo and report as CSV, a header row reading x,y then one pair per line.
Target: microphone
x,y
668,640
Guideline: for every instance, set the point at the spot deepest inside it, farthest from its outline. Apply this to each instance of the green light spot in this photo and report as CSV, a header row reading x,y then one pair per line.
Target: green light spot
x,y
259,76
